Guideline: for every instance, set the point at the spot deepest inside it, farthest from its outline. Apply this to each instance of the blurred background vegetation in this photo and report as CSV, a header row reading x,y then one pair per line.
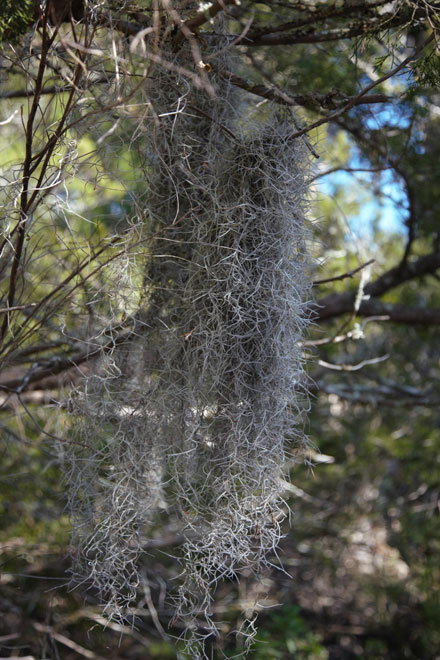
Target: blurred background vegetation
x,y
360,576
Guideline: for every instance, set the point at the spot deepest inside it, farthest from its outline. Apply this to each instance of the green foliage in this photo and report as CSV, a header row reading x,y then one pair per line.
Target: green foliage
x,y
15,18
285,635
30,506
426,70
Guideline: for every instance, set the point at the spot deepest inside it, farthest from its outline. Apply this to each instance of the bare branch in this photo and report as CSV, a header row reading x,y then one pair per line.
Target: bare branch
x,y
341,303
357,28
395,313
57,365
190,26
312,100
352,367
65,641
24,202
350,273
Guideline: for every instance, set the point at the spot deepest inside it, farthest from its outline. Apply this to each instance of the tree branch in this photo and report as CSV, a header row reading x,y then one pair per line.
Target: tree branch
x,y
355,99
359,28
24,196
373,140
350,273
425,265
337,304
57,365
395,313
331,12
312,100
202,17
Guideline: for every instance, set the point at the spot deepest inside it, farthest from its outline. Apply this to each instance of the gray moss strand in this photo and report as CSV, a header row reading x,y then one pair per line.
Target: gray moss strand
x,y
192,416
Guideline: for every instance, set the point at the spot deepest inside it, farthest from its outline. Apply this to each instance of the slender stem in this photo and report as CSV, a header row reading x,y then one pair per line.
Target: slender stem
x,y
349,273
24,197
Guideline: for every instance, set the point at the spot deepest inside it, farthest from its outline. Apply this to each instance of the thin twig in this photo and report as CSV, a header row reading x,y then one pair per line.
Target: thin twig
x,y
62,639
352,367
24,204
15,341
6,310
312,101
189,27
349,273
355,100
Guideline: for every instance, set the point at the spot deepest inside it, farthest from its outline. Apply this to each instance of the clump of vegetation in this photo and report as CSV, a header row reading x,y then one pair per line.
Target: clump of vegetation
x,y
195,413
285,634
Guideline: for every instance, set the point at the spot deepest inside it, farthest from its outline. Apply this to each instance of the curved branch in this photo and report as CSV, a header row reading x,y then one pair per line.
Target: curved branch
x,y
355,99
337,304
425,265
312,100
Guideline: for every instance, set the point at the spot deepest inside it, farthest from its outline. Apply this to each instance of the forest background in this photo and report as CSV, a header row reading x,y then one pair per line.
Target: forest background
x,y
361,559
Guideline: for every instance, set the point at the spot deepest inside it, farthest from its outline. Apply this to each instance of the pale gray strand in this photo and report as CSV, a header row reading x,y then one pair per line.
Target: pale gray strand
x,y
193,414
